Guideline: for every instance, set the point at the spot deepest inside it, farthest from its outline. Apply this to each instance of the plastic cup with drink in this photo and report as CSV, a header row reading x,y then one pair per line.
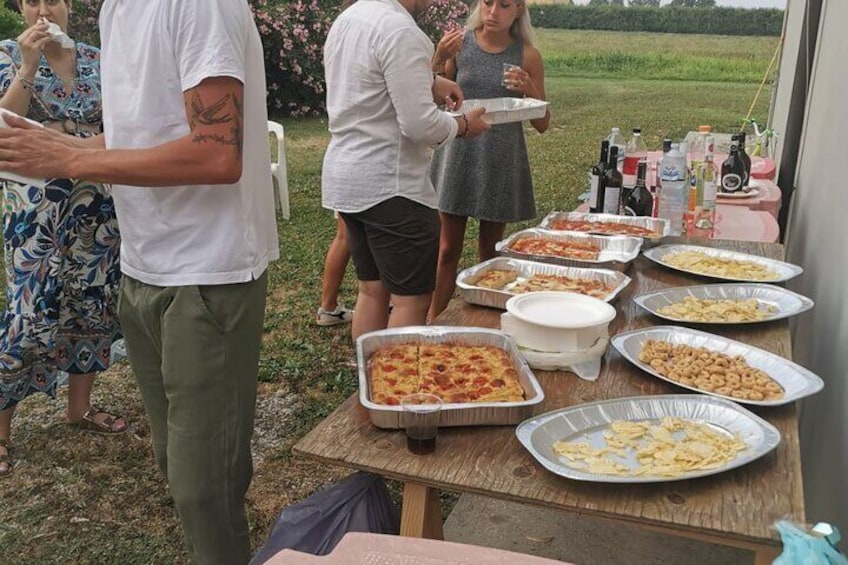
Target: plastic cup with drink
x,y
420,418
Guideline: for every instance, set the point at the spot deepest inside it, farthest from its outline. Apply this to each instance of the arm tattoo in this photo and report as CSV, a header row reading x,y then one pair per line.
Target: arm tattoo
x,y
228,111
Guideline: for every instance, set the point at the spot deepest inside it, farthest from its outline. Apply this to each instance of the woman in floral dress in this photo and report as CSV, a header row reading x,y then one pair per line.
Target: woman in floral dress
x,y
61,243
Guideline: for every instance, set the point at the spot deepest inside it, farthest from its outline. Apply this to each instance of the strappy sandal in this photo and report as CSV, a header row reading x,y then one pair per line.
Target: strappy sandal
x,y
89,422
6,458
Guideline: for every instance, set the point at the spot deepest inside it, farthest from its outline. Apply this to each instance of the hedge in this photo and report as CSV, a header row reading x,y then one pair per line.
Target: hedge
x,y
718,21
11,23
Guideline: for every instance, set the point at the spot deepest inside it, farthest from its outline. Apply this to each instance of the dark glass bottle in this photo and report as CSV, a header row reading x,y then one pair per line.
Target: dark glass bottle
x,y
612,183
732,171
746,159
596,194
639,201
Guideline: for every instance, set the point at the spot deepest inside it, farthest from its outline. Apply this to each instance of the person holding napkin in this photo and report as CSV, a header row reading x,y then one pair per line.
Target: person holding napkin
x,y
61,241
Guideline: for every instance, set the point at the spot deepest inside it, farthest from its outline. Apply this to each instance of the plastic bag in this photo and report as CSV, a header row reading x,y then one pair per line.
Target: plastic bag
x,y
801,548
359,503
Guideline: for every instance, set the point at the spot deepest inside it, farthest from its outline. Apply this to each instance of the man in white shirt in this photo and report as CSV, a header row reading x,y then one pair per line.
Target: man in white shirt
x,y
186,148
384,122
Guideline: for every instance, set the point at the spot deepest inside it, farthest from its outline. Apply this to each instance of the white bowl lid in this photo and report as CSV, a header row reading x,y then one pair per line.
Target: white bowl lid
x,y
560,309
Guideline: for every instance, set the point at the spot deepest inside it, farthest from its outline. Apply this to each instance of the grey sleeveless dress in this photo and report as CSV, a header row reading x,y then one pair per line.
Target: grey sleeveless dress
x,y
487,177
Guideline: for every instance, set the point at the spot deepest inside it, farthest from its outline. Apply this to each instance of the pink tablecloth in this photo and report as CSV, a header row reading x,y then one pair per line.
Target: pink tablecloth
x,y
742,224
768,198
361,549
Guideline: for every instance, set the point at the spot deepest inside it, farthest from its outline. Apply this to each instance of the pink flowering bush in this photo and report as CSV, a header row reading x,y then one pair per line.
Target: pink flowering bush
x,y
293,34
442,16
83,22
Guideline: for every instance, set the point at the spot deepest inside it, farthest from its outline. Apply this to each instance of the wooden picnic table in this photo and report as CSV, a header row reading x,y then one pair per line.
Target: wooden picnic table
x,y
734,508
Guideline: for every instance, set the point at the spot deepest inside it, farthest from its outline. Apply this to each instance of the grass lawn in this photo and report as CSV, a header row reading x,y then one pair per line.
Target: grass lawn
x,y
79,498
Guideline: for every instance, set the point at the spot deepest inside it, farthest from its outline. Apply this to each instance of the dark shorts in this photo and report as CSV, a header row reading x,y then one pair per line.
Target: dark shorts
x,y
397,242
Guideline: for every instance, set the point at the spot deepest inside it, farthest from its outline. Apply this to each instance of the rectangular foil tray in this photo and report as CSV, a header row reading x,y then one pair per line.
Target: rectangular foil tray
x,y
465,414
507,109
660,227
616,252
496,298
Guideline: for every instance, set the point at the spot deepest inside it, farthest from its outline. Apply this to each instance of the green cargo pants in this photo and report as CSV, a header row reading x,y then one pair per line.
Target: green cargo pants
x,y
195,354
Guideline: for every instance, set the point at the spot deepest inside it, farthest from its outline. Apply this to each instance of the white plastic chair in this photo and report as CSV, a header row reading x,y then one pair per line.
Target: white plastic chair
x,y
278,170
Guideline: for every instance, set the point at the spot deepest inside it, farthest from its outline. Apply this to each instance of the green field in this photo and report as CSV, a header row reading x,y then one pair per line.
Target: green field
x,y
90,499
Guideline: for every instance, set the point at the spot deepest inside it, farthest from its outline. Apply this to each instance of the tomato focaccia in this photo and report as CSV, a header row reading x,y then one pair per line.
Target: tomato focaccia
x,y
602,227
569,248
455,373
394,373
496,278
494,379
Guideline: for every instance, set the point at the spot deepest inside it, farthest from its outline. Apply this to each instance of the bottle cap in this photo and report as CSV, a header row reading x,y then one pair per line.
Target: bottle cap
x,y
705,129
637,130
615,130
826,531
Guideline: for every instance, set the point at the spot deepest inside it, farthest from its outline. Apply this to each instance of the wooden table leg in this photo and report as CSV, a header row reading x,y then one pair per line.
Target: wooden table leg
x,y
765,555
421,515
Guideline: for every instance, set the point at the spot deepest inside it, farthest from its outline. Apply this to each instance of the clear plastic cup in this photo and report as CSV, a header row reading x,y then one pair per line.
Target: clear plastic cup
x,y
508,82
420,418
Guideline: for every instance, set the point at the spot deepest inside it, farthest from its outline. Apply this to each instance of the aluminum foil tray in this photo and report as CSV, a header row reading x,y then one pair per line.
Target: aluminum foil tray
x,y
617,251
483,296
784,270
588,422
659,226
787,302
466,414
506,110
797,382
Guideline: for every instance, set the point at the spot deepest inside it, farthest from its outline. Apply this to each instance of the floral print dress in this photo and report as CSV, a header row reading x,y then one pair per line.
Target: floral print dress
x,y
61,250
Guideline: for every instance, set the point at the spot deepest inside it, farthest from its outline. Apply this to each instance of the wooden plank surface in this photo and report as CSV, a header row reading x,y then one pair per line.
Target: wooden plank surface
x,y
738,505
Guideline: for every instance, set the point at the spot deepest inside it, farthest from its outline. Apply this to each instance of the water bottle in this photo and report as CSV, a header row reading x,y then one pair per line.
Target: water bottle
x,y
674,194
617,140
635,151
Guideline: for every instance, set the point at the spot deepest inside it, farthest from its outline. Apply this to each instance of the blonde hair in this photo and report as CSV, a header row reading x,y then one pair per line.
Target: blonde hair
x,y
520,29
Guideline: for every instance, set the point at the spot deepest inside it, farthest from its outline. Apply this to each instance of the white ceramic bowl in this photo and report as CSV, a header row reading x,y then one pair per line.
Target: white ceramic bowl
x,y
557,321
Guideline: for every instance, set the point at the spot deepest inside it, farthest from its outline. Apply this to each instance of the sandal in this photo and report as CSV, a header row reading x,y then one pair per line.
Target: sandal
x,y
107,426
6,458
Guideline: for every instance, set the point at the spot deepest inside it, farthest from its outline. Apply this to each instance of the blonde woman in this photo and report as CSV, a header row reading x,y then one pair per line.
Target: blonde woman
x,y
487,177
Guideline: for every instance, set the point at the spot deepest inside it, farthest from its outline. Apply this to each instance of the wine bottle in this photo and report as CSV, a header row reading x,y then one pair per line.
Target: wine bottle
x,y
612,183
746,159
732,171
639,201
596,197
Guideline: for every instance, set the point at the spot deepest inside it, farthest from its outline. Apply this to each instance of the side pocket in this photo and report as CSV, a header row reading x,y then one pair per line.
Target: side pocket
x,y
208,307
122,288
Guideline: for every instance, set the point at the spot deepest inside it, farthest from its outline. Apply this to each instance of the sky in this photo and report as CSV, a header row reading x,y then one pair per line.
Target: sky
x,y
736,3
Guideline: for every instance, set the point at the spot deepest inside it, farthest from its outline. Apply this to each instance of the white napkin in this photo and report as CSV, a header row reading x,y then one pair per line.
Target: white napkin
x,y
40,183
59,36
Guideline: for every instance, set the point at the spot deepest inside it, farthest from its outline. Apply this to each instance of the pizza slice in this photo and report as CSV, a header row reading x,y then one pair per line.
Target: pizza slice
x,y
494,377
394,373
496,278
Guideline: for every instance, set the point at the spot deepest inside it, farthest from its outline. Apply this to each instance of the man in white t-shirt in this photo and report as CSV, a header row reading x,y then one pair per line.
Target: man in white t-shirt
x,y
185,146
